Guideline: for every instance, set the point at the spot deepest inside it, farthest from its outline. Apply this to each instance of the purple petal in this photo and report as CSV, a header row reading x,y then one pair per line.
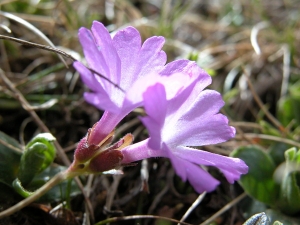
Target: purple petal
x,y
105,45
173,84
154,130
184,66
176,77
192,70
185,96
101,101
156,107
232,168
152,58
100,98
177,66
92,53
105,125
139,151
179,165
198,178
128,44
206,104
211,130
154,103
198,123
88,77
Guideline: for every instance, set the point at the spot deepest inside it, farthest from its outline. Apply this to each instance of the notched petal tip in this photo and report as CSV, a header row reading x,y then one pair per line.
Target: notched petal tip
x,y
128,32
157,41
98,24
83,30
83,34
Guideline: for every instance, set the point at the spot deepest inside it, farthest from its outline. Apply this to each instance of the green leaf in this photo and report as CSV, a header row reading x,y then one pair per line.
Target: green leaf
x,y
258,182
290,194
38,155
17,185
9,158
276,151
46,139
290,184
31,163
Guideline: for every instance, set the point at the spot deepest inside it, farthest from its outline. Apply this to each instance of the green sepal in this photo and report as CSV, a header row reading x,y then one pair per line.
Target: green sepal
x,y
258,182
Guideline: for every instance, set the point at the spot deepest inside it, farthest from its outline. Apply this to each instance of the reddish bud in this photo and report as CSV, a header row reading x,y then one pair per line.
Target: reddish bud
x,y
107,160
84,151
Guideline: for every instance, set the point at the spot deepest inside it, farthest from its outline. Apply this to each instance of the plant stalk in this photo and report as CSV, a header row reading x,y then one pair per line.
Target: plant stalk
x,y
61,176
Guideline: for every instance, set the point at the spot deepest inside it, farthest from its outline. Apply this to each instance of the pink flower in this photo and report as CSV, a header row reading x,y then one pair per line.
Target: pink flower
x,y
191,118
122,60
132,66
179,112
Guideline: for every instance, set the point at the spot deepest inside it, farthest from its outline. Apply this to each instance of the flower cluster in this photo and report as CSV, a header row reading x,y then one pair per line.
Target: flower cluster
x,y
179,112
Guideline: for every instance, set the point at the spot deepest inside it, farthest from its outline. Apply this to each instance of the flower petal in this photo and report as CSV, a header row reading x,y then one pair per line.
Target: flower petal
x,y
139,151
88,77
154,99
176,77
211,130
100,100
199,122
92,53
198,178
173,84
152,58
128,44
232,168
105,45
191,69
105,125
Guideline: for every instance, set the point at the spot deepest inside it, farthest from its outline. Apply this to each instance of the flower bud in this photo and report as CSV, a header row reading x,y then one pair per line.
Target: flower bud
x,y
107,160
